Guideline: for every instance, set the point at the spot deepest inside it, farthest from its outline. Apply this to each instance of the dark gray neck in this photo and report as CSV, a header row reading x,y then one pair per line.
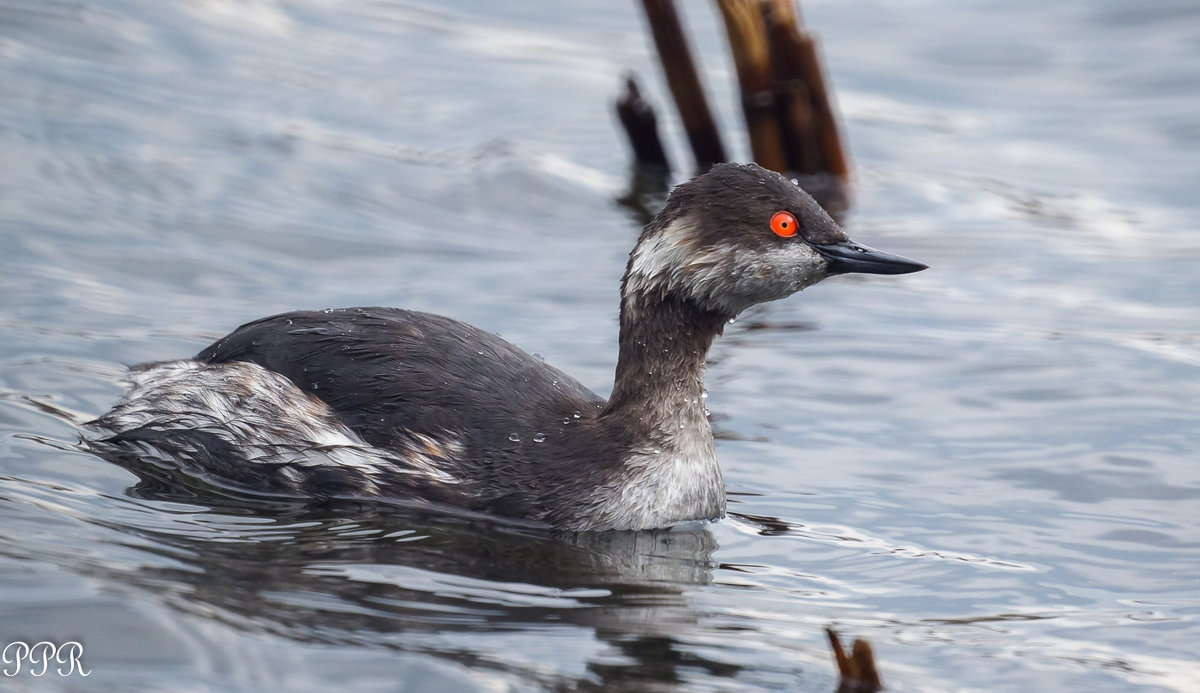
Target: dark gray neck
x,y
668,471
660,368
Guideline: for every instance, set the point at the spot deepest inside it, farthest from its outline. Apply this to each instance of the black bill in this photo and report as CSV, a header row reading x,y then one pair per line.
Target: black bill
x,y
849,256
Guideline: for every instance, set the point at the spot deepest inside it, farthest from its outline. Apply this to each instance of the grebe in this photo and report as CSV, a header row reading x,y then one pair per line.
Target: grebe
x,y
389,403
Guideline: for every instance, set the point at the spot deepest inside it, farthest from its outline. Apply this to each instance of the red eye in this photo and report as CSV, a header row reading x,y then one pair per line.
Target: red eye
x,y
784,224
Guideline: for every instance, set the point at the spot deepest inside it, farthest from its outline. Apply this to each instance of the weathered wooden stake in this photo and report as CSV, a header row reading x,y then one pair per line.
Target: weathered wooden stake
x,y
752,58
814,143
857,672
641,127
685,87
788,110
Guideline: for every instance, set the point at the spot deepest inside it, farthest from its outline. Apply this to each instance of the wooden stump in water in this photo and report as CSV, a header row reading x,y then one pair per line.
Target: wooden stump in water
x,y
752,59
790,119
857,671
680,71
813,143
641,126
650,172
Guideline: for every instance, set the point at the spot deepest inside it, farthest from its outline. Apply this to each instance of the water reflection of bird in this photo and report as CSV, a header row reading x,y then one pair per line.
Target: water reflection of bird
x,y
389,579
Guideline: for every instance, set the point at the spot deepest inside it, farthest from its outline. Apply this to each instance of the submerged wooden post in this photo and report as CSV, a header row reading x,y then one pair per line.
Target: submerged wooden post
x,y
680,71
752,58
788,110
641,127
798,123
650,172
812,138
858,672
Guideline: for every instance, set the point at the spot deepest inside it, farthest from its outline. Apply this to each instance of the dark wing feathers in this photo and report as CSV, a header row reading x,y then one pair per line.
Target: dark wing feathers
x,y
389,372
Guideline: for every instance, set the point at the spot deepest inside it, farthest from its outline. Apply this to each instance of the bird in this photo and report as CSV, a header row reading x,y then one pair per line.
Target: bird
x,y
399,405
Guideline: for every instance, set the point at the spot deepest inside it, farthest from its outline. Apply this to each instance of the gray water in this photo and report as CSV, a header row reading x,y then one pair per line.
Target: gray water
x,y
988,469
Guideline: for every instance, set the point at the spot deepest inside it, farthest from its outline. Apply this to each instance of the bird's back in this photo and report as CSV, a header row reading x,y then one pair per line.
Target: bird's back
x,y
388,372
368,402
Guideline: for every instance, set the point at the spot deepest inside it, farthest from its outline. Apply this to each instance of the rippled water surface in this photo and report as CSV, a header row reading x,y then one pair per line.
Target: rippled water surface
x,y
991,469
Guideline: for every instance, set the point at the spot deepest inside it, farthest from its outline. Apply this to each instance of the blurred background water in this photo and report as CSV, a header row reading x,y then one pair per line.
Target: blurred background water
x,y
989,469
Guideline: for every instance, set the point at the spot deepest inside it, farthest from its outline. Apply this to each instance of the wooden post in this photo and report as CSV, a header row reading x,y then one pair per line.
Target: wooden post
x,y
814,143
641,127
676,59
752,58
857,672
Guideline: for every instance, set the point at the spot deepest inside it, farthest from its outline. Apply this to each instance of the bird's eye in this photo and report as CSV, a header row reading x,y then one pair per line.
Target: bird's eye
x,y
784,224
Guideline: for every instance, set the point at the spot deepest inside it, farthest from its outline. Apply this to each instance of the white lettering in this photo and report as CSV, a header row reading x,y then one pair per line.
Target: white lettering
x,y
39,657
